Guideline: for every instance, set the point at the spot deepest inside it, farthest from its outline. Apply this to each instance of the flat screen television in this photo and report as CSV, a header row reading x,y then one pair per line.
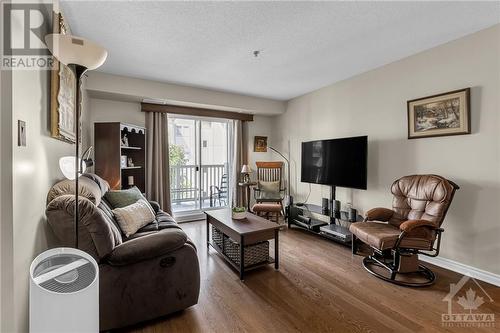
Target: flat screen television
x,y
337,162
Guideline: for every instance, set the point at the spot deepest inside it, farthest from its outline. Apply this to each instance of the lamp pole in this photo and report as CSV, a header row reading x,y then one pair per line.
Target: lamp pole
x,y
288,176
80,55
79,71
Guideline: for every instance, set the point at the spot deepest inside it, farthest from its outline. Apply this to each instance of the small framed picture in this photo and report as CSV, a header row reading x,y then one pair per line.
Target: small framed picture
x,y
123,161
260,144
439,115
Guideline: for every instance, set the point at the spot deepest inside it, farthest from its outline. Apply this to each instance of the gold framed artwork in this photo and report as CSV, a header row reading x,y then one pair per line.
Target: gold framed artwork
x,y
260,144
439,115
63,87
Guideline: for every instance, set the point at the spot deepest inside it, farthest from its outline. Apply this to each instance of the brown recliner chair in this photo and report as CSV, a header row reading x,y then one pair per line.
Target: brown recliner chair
x,y
152,273
412,226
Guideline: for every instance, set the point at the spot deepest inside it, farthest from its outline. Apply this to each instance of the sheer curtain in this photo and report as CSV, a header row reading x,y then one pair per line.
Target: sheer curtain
x,y
158,168
237,155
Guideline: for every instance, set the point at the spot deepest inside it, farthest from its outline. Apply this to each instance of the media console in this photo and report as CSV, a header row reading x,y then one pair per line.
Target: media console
x,y
312,218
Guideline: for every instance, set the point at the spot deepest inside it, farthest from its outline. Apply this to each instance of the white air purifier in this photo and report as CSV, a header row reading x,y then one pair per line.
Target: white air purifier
x,y
64,292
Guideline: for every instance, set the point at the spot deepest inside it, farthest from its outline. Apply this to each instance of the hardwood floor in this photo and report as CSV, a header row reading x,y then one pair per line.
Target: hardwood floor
x,y
320,287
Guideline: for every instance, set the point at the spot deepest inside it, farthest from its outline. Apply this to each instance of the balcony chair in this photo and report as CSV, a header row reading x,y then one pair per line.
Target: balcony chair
x,y
398,235
269,192
219,192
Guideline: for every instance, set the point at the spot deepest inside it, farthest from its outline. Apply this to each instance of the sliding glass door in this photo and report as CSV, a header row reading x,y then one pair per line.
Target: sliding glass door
x,y
199,164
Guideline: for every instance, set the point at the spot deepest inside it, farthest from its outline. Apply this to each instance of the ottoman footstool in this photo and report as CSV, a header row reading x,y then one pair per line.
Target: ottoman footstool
x,y
269,210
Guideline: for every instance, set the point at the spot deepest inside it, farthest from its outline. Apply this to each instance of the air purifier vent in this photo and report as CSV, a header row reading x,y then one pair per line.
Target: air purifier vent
x,y
75,280
64,273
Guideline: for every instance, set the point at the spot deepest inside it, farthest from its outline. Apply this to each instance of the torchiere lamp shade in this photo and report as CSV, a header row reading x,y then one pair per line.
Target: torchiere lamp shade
x,y
75,50
67,165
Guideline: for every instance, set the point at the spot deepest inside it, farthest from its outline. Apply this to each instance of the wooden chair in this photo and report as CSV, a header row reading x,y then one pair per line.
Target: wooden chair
x,y
270,187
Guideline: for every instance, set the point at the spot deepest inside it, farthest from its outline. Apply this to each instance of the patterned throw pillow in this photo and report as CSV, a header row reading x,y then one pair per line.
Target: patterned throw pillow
x,y
133,217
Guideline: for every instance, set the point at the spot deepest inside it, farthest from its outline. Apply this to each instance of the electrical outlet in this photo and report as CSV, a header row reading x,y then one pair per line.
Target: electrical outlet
x,y
21,133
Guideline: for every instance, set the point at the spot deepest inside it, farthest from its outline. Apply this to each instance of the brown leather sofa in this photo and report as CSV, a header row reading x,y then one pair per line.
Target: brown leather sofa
x,y
412,227
152,273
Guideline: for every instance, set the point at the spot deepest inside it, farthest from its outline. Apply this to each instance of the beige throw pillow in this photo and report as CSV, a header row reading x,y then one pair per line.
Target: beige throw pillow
x,y
133,217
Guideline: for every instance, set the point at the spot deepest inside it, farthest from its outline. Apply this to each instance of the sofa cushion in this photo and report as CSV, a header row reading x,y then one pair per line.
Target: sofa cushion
x,y
384,236
103,185
133,217
107,212
163,221
87,188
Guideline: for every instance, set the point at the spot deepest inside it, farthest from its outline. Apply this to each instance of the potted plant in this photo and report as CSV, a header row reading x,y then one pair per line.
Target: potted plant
x,y
238,213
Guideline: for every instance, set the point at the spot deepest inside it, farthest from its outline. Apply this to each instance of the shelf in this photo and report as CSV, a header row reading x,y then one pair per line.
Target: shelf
x,y
131,148
129,168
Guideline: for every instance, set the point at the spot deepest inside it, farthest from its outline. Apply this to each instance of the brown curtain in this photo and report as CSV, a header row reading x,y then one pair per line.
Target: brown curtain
x,y
238,159
158,172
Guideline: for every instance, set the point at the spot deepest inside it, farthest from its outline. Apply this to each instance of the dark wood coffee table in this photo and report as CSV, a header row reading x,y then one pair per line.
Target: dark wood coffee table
x,y
249,231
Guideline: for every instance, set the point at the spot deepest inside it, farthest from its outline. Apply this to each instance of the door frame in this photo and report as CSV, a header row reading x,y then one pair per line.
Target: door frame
x,y
197,213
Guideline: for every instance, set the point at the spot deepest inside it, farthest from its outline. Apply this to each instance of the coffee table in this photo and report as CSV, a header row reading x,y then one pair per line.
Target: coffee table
x,y
249,231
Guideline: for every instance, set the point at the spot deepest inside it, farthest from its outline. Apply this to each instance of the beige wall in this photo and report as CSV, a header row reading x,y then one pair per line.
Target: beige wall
x,y
6,235
374,104
260,126
35,169
103,85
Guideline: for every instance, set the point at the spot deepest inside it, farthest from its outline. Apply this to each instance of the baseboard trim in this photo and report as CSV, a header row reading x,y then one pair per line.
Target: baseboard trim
x,y
455,266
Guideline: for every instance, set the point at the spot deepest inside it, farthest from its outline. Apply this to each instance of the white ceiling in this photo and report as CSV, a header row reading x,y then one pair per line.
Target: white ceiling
x,y
305,45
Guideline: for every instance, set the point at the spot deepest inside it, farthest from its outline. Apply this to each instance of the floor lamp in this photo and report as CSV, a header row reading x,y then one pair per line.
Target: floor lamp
x,y
64,282
288,178
80,55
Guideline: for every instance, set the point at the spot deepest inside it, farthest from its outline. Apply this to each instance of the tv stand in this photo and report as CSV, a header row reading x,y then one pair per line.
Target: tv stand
x,y
311,218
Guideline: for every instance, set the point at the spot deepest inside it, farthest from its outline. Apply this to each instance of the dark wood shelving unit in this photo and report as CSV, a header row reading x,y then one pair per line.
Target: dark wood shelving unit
x,y
109,149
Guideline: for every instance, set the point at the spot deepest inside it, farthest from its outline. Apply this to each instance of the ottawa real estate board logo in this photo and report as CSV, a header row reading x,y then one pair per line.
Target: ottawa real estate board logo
x,y
466,301
24,26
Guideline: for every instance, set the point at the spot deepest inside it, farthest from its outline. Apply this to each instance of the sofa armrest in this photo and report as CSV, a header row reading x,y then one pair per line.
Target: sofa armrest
x,y
409,225
147,247
379,214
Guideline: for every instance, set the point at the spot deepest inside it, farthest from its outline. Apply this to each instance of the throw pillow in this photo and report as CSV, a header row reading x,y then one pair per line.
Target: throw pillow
x,y
123,198
133,217
269,190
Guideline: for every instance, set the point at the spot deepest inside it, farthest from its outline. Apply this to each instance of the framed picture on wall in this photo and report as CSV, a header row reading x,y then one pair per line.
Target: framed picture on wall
x,y
62,93
439,115
260,144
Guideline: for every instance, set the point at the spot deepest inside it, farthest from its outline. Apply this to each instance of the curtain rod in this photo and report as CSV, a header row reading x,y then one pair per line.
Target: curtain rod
x,y
192,111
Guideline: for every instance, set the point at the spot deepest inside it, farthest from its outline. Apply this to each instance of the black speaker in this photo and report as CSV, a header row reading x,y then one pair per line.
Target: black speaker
x,y
325,209
353,215
290,201
336,209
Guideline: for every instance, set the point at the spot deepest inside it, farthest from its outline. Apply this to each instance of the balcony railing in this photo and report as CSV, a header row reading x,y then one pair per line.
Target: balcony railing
x,y
185,182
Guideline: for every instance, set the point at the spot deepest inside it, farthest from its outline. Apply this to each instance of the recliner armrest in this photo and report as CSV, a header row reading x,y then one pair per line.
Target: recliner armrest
x,y
379,214
147,247
409,225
